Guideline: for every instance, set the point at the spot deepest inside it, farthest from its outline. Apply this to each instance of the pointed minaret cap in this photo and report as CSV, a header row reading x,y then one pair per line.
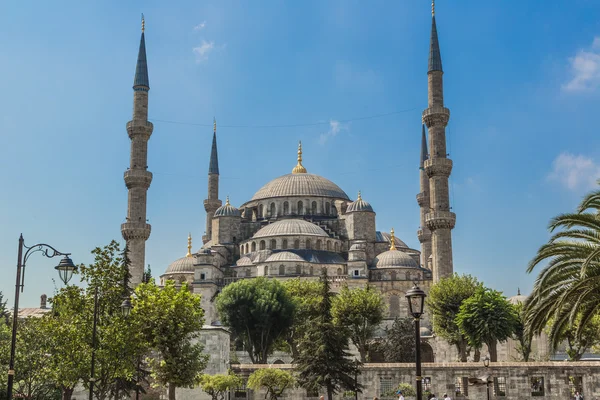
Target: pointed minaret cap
x,y
423,149
213,166
189,253
518,291
140,82
435,57
392,240
299,168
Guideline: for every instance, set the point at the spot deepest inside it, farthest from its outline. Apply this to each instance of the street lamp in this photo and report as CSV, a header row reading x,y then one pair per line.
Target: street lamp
x,y
416,302
65,269
486,364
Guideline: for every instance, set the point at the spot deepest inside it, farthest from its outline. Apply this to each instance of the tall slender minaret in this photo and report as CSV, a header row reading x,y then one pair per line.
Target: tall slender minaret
x,y
212,202
137,177
440,220
424,234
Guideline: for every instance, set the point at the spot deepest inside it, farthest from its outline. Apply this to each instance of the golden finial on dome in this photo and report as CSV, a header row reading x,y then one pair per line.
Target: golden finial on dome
x,y
214,125
392,240
299,168
189,253
359,197
433,8
143,24
227,201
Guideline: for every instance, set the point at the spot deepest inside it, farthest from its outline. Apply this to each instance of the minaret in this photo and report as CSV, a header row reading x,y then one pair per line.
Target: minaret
x,y
440,220
212,202
137,178
424,234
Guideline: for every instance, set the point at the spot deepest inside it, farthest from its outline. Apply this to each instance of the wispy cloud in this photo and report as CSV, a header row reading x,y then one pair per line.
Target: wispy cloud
x,y
203,50
575,172
200,26
335,127
585,69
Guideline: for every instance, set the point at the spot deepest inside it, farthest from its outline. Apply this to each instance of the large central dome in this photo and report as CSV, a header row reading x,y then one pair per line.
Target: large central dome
x,y
303,184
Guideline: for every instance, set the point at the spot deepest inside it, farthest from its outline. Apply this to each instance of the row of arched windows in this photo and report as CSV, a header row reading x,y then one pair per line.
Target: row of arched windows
x,y
396,276
300,209
285,244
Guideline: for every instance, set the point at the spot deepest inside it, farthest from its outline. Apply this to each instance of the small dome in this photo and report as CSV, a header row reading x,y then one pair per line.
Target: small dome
x,y
227,210
425,332
395,259
519,298
385,237
243,262
359,205
290,227
284,256
183,265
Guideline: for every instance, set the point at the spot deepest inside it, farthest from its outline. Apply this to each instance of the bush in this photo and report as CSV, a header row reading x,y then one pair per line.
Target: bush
x,y
406,388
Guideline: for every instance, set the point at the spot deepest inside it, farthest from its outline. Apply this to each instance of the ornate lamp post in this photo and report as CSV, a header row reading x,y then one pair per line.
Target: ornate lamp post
x,y
486,364
65,269
416,301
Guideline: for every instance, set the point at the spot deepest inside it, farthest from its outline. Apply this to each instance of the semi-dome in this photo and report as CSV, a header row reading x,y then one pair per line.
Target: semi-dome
x,y
227,210
244,262
284,256
359,205
290,227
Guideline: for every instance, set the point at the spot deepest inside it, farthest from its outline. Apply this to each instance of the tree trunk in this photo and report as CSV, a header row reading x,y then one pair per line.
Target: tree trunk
x,y
363,354
461,347
329,392
171,391
67,393
477,355
493,352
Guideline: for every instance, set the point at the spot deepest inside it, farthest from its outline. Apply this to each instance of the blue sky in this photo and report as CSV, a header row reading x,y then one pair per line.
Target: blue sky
x,y
522,81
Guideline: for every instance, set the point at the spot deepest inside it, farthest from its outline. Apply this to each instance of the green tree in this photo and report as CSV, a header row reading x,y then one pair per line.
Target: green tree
x,y
360,311
522,337
275,381
216,386
576,341
323,359
169,321
4,314
487,317
306,296
259,312
399,343
568,287
444,301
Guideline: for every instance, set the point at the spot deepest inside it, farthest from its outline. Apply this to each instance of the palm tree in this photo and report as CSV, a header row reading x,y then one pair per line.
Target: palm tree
x,y
566,294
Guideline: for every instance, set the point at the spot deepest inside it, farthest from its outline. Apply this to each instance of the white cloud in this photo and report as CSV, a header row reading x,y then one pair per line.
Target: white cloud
x,y
585,69
200,26
203,50
335,127
575,171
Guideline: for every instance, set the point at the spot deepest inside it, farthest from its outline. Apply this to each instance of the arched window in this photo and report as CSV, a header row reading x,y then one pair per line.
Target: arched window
x,y
273,244
308,244
318,244
394,306
427,353
266,270
284,244
296,244
247,248
248,272
333,210
300,207
339,271
260,211
253,246
327,208
313,207
329,245
262,245
311,270
272,209
298,269
394,277
282,269
286,208
242,249
337,247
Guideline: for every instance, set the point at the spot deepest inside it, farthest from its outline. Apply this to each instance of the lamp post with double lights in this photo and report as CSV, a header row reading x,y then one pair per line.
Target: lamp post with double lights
x,y
65,269
486,364
416,302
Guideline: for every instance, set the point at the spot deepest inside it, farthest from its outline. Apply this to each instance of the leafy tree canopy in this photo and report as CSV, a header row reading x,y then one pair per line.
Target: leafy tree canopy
x,y
275,381
216,386
399,343
306,296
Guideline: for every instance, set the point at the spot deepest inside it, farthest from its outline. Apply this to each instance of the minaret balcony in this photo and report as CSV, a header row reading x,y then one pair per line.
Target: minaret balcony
x,y
423,199
137,178
140,128
135,230
440,220
212,205
436,116
438,167
423,234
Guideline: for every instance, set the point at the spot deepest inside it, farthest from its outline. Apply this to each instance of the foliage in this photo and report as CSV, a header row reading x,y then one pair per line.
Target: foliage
x,y
406,389
444,301
216,386
487,317
399,343
306,296
275,381
578,341
259,311
4,313
360,311
323,359
567,289
169,321
520,335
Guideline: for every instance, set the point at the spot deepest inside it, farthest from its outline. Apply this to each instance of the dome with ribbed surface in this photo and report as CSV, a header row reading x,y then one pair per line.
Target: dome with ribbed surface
x,y
359,205
183,265
385,237
290,227
284,256
395,259
243,262
300,185
227,210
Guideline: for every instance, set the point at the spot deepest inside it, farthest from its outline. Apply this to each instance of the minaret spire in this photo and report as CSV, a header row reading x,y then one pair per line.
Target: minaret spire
x,y
438,167
212,202
423,233
136,230
213,167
